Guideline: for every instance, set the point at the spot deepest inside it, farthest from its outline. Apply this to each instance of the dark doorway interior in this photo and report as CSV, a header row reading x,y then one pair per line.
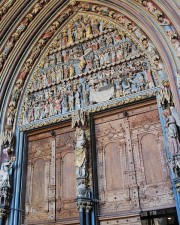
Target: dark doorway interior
x,y
160,217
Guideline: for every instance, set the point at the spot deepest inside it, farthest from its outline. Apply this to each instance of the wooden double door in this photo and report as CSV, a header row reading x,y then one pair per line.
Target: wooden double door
x,y
129,169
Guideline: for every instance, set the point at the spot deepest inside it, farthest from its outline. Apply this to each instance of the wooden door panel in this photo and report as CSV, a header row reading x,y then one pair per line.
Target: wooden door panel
x,y
38,176
151,159
131,162
65,177
113,168
68,177
51,178
38,185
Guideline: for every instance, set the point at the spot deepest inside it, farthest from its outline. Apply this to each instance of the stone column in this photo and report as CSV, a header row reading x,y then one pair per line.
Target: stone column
x,y
81,214
88,213
84,207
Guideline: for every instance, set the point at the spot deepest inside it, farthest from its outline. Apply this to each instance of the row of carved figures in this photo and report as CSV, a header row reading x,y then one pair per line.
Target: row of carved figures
x,y
112,53
82,29
104,39
142,78
56,74
68,97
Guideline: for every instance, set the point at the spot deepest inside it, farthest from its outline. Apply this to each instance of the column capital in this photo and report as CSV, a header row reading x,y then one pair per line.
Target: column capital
x,y
84,204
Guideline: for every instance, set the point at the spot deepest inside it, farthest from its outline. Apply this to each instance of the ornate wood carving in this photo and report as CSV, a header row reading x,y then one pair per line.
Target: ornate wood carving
x,y
50,196
150,160
65,176
132,171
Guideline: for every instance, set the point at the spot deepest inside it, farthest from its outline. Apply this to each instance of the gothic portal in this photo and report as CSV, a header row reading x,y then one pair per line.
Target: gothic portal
x,y
90,113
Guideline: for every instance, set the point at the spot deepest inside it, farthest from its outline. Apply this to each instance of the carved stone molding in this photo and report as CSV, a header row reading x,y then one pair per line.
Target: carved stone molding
x,y
5,7
163,20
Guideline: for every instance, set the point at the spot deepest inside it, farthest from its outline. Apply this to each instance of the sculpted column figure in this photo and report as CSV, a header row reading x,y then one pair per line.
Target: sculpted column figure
x,y
172,132
5,188
83,192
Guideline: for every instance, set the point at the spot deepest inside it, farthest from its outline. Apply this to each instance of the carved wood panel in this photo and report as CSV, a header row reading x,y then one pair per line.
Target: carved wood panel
x,y
38,176
66,176
131,168
150,161
51,178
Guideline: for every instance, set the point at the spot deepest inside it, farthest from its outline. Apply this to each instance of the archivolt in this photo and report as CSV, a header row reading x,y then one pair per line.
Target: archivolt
x,y
112,13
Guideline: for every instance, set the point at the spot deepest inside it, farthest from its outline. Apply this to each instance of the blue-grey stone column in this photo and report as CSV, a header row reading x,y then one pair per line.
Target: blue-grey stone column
x,y
85,206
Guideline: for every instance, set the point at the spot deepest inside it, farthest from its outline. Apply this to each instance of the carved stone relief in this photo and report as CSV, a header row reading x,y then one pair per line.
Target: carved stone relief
x,y
91,61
